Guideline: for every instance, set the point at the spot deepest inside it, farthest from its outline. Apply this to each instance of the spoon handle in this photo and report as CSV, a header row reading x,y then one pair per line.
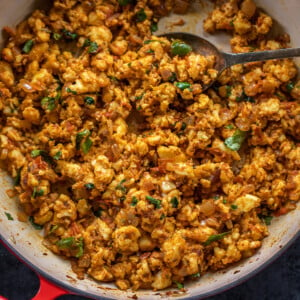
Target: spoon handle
x,y
240,58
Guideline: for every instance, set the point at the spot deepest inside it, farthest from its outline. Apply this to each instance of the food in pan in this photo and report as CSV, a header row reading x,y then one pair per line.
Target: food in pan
x,y
133,173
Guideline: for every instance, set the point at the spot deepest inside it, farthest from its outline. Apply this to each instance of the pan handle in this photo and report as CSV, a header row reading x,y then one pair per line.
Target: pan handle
x,y
48,291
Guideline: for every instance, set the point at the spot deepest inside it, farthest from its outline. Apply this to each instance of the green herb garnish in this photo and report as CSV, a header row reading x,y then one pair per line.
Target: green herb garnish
x,y
183,126
183,85
244,97
228,90
233,206
235,142
290,86
28,46
124,2
89,100
229,126
174,202
179,285
140,16
48,103
37,193
53,228
150,51
139,97
57,155
163,216
173,77
87,144
46,157
71,91
121,187
154,27
89,186
268,219
215,237
155,202
17,179
180,48
196,275
224,201
68,35
8,216
36,226
56,36
72,244
98,212
134,201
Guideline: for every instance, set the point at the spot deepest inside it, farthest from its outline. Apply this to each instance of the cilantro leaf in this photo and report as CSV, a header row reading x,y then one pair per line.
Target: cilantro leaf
x,y
28,46
235,142
215,237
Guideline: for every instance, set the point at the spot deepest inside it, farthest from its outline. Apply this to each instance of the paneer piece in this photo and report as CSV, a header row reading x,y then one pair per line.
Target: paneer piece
x,y
126,239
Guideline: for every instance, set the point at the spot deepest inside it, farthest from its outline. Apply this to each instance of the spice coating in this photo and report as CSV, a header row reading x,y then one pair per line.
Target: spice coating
x,y
135,174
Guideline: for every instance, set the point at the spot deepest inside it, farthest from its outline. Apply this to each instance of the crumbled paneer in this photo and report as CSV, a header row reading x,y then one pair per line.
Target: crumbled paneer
x,y
136,174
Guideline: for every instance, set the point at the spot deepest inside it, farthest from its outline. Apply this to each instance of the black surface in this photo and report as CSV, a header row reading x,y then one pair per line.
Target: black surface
x,y
281,280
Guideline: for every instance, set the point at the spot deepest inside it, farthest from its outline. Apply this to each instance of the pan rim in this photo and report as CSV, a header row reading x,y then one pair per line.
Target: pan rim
x,y
77,291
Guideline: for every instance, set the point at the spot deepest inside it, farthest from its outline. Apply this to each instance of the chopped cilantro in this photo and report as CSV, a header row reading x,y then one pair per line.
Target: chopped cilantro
x,y
89,186
163,216
48,103
215,237
229,126
235,142
57,155
183,126
174,202
150,51
121,187
244,97
37,193
173,77
183,85
46,157
56,36
290,86
36,226
71,91
86,144
228,91
196,275
233,206
72,244
155,202
154,27
28,46
179,285
68,35
139,97
134,201
17,179
8,216
140,16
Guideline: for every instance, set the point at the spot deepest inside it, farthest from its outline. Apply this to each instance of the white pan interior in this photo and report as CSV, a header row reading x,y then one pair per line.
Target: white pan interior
x,y
27,242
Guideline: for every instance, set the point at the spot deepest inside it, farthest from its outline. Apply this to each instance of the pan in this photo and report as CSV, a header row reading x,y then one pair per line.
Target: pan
x,y
25,242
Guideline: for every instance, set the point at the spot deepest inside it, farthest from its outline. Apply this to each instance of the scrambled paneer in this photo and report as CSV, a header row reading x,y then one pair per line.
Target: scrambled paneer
x,y
135,173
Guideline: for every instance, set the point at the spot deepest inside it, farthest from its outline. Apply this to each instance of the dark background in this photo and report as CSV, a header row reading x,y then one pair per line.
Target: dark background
x,y
280,280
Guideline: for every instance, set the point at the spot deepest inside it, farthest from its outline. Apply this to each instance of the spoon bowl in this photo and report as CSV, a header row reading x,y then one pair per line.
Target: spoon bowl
x,y
225,60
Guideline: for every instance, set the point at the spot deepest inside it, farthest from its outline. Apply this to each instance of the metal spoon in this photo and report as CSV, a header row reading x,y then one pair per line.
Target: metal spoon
x,y
225,60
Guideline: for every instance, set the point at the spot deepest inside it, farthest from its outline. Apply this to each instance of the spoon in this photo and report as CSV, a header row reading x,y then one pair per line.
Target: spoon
x,y
225,60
